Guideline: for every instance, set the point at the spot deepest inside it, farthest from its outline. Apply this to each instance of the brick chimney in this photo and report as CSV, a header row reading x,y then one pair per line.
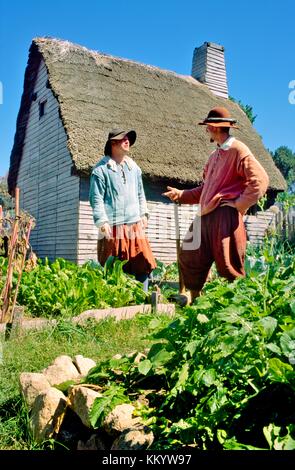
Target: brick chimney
x,y
209,68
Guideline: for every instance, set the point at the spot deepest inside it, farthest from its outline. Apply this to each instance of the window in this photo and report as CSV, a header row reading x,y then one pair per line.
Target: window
x,y
42,105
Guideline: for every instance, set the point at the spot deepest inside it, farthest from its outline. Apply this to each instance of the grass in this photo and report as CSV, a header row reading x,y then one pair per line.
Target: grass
x,y
32,351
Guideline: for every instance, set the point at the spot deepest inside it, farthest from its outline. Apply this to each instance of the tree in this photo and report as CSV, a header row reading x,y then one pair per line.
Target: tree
x,y
248,110
284,159
5,198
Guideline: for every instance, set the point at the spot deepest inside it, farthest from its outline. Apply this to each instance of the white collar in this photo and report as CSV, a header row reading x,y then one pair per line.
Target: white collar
x,y
227,143
114,165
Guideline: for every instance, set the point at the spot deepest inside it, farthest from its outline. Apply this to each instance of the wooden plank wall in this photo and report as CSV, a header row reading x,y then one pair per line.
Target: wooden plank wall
x,y
199,64
48,191
291,224
161,227
265,222
215,76
87,231
258,225
209,67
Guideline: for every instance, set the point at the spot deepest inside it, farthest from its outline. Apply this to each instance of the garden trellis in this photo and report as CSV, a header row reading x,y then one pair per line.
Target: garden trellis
x,y
16,228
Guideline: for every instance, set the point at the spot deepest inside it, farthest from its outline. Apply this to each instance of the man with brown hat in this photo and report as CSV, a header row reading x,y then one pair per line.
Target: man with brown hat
x,y
119,207
233,181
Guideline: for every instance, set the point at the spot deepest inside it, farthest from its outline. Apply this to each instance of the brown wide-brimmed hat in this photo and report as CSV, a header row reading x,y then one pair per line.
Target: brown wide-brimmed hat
x,y
219,117
118,134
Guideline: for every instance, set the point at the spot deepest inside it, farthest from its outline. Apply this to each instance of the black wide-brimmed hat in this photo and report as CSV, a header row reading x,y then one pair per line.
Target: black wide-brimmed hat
x,y
118,134
219,117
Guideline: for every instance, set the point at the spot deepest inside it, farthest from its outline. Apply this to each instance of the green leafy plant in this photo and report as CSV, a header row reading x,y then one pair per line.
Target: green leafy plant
x,y
63,288
165,272
112,397
222,373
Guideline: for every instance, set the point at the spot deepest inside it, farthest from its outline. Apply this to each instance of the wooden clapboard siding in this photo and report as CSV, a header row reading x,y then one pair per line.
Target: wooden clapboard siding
x,y
87,231
48,191
258,225
87,234
161,227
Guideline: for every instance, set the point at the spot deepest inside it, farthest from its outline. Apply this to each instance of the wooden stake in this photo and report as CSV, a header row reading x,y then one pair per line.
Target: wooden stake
x,y
177,234
24,254
7,288
1,221
16,202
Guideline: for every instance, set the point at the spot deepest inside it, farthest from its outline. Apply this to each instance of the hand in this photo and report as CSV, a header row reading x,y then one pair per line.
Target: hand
x,y
106,230
174,194
229,203
144,222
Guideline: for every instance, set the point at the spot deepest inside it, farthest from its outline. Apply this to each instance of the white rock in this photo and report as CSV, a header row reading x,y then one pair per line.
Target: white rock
x,y
83,364
61,370
82,399
117,356
138,438
48,406
119,419
32,384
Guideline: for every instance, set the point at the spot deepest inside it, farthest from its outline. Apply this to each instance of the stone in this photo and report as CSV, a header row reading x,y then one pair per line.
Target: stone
x,y
32,384
138,438
83,364
119,419
117,356
47,408
82,399
61,370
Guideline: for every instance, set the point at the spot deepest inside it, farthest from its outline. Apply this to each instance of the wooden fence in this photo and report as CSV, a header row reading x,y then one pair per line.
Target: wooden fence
x,y
162,230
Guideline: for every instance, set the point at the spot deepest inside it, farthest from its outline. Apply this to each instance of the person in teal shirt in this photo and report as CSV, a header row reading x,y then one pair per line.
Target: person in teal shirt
x,y
119,207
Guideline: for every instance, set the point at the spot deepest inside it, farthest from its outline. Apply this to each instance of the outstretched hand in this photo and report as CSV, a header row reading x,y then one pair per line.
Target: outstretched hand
x,y
174,194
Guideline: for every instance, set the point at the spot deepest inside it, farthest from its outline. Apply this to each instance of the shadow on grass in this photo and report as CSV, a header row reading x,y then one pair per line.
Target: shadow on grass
x,y
15,432
14,419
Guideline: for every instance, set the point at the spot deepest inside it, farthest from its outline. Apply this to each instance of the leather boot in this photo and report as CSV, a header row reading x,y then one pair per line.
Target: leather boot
x,y
194,294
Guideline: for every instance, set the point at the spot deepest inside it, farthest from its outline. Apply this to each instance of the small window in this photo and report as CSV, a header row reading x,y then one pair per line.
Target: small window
x,y
42,105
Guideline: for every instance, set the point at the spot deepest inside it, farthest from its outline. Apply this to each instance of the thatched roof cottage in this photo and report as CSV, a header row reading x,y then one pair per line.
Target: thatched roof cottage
x,y
72,97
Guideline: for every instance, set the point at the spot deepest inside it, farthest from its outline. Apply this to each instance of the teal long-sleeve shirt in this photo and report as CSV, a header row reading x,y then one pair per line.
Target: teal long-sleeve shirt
x,y
116,192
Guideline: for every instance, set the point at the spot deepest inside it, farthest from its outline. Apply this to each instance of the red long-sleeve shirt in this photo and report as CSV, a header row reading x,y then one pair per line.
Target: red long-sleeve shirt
x,y
231,173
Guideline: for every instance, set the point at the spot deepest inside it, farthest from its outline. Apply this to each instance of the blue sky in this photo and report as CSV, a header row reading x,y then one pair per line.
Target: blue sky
x,y
258,37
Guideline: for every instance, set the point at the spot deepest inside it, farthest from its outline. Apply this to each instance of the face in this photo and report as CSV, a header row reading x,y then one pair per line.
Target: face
x,y
123,144
211,131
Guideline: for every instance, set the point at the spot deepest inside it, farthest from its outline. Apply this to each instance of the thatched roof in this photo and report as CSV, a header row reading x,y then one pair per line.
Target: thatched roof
x,y
97,92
